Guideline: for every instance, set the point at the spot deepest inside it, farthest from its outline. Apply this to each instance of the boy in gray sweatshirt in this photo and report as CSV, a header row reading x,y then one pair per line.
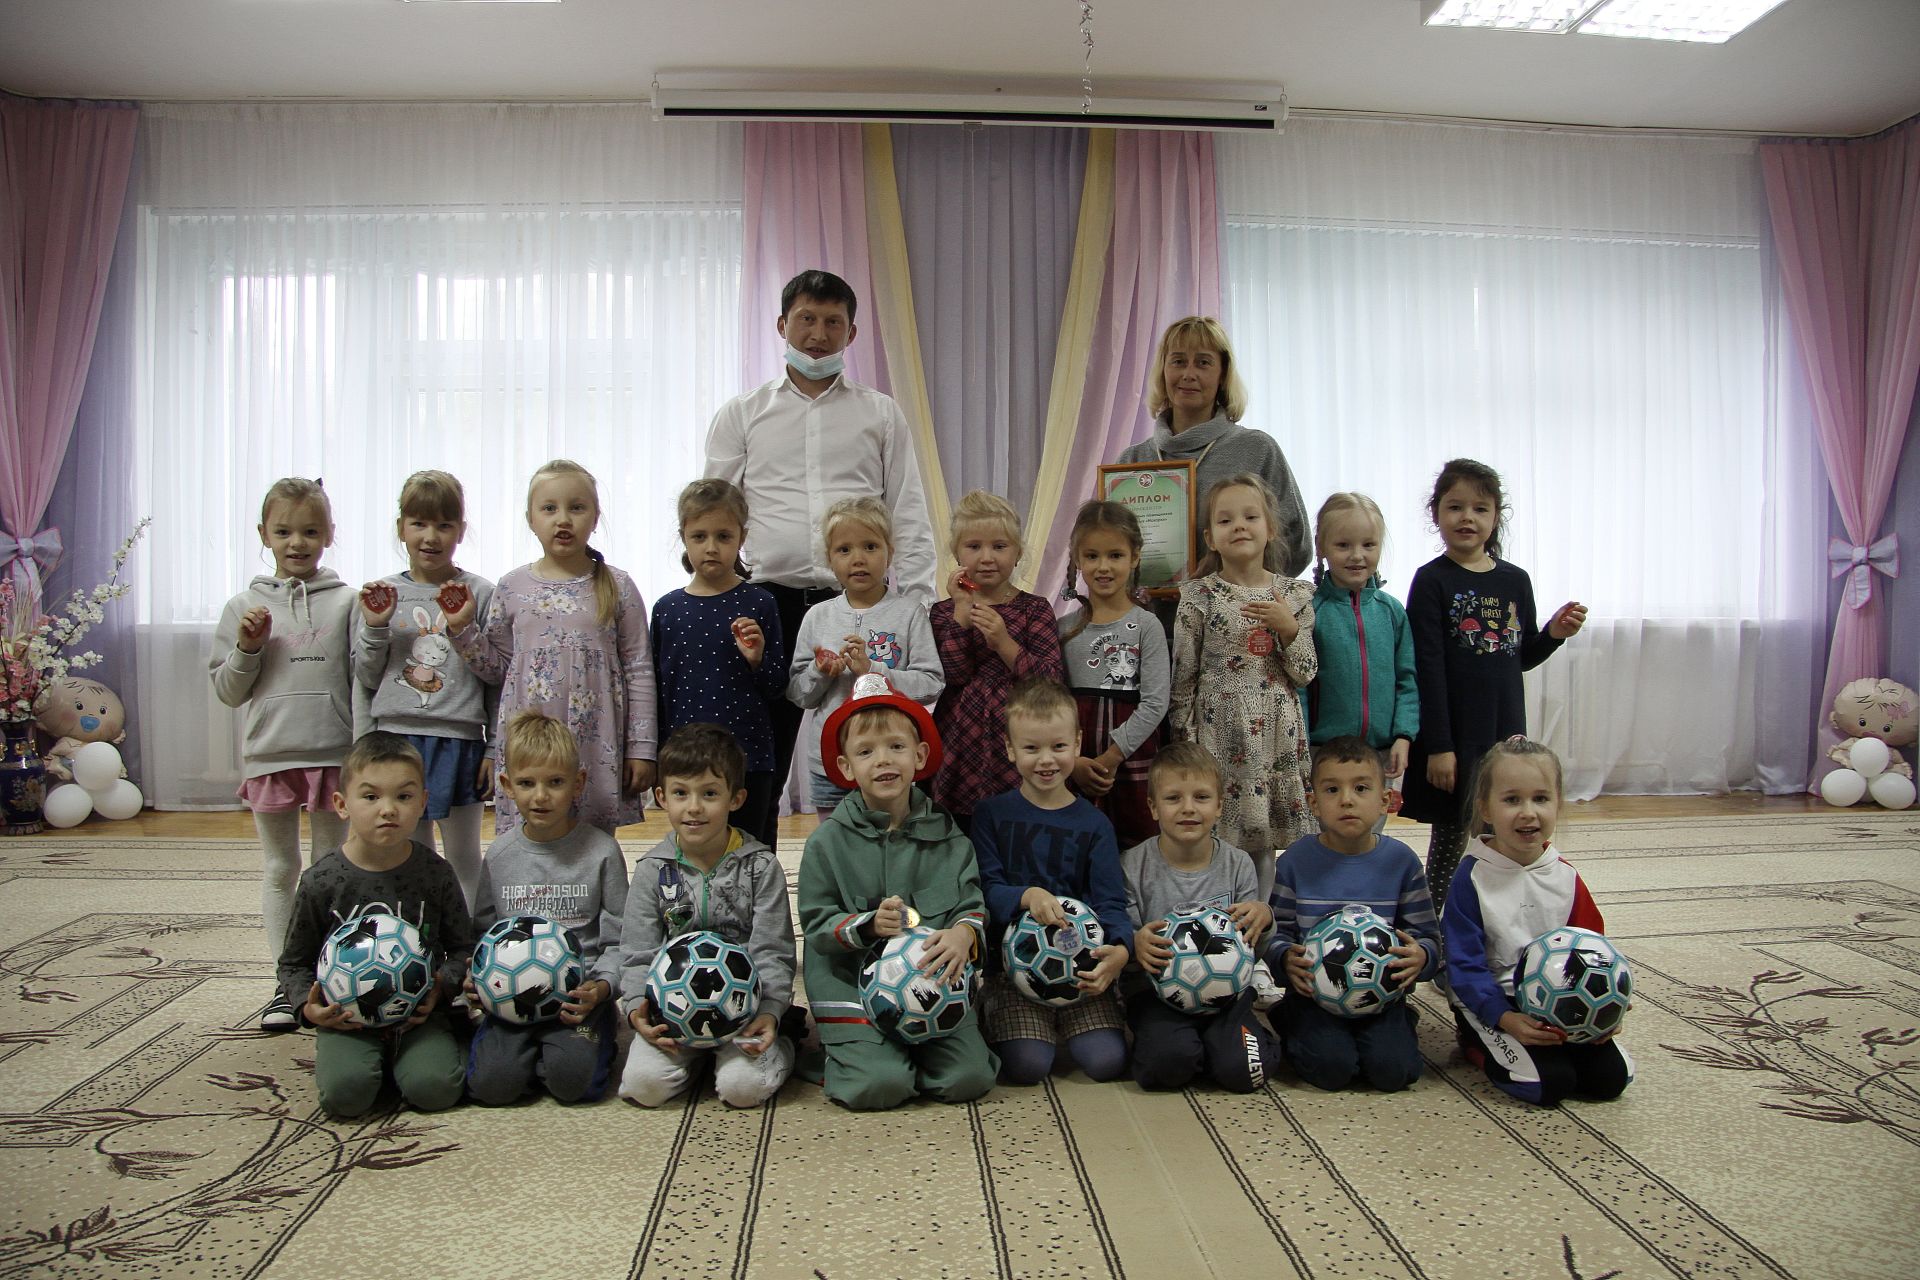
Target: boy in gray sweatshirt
x,y
572,873
710,875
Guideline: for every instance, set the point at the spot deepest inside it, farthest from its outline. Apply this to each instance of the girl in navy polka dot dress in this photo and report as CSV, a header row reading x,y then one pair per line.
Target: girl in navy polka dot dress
x,y
717,648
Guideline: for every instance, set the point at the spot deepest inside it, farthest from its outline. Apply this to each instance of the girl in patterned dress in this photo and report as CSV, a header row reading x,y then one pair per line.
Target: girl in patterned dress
x,y
1242,650
567,635
990,634
1117,667
1474,634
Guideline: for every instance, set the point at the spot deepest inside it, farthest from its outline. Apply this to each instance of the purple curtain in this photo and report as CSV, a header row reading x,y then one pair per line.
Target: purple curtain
x,y
65,166
990,215
1163,263
1846,226
804,206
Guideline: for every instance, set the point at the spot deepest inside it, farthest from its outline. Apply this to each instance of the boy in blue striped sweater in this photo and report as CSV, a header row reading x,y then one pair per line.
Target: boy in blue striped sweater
x,y
1315,877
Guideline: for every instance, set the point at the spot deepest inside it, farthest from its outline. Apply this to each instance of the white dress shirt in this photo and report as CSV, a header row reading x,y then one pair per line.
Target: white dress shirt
x,y
795,456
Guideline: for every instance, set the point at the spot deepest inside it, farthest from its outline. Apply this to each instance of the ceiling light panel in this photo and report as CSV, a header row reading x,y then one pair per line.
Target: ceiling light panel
x,y
1702,21
1508,15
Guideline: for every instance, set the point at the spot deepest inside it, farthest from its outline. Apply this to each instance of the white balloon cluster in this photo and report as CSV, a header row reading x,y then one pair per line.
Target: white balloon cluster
x,y
97,787
1868,777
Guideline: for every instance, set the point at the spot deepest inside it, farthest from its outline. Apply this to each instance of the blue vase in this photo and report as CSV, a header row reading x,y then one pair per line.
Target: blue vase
x,y
23,780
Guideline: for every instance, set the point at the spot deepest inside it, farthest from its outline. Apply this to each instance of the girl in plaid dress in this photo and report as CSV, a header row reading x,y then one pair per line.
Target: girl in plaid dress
x,y
990,634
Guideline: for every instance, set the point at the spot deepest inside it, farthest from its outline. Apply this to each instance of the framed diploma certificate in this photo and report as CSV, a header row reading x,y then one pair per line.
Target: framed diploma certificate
x,y
1160,495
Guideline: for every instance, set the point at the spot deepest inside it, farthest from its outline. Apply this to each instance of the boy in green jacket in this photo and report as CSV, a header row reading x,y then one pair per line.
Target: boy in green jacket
x,y
885,860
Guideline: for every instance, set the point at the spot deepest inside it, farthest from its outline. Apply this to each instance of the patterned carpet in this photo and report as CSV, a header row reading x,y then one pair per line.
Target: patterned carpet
x,y
1774,1129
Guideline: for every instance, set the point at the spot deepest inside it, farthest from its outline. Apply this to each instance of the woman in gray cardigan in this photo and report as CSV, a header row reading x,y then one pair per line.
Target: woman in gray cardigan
x,y
1196,397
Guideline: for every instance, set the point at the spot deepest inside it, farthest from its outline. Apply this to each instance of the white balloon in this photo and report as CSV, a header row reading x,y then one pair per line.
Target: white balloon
x,y
96,766
1891,790
1843,787
121,800
66,806
1868,757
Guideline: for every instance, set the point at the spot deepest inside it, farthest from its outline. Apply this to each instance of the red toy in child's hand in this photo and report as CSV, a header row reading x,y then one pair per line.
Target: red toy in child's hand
x,y
965,583
740,626
453,597
826,657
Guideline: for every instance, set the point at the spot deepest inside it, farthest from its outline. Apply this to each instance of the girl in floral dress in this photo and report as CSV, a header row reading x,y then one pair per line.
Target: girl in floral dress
x,y
567,635
1242,649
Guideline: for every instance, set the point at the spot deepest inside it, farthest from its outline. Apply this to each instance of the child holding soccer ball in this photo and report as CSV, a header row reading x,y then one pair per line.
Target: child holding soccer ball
x,y
1317,876
572,873
708,875
1511,887
884,860
1187,864
382,794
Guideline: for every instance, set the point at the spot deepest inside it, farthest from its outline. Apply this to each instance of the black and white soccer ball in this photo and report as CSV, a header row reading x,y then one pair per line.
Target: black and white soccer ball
x,y
1348,952
703,987
1211,964
906,1004
1576,980
523,968
375,967
1045,961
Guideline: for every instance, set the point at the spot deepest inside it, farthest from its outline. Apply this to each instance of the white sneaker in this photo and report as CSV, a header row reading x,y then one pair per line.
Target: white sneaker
x,y
1267,992
279,1015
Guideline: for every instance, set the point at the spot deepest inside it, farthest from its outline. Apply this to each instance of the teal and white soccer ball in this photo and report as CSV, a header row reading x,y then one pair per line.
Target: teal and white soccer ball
x,y
1348,952
375,966
523,968
1045,961
1211,965
1575,979
906,1004
703,987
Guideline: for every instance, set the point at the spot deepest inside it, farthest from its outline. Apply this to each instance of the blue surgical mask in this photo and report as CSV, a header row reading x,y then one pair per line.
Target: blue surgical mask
x,y
818,370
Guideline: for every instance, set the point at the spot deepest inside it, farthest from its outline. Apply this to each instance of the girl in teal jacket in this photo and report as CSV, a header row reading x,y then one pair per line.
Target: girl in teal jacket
x,y
1366,684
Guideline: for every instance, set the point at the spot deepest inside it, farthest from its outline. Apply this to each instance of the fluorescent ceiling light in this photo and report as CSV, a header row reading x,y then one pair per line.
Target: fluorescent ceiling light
x,y
479,1
1705,21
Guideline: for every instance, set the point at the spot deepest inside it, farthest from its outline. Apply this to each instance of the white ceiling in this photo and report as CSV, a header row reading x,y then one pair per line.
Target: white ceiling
x,y
1811,66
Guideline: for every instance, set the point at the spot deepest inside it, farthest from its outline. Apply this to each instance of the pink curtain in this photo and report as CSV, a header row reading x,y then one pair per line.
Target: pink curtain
x,y
1846,226
65,167
1163,263
804,207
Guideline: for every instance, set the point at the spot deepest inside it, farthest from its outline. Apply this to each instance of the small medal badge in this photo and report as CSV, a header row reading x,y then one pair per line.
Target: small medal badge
x,y
911,916
1259,642
1071,940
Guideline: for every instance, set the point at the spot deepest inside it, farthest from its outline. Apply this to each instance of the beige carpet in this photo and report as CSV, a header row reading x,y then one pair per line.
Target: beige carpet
x,y
1774,1129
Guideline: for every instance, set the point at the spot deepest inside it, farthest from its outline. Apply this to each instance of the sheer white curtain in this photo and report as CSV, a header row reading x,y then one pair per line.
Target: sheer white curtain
x,y
1592,316
358,292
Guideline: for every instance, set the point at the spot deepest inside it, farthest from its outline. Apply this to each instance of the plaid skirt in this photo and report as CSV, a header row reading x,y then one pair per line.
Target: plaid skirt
x,y
1008,1015
1101,712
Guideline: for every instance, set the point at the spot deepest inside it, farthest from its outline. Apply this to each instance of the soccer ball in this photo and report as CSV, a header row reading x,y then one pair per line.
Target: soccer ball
x,y
1576,980
906,1004
375,966
703,987
523,968
1348,951
1211,964
1045,961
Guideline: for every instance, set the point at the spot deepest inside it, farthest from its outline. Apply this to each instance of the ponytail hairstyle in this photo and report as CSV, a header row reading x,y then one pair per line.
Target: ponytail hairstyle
x,y
298,491
1270,556
1518,747
1476,475
606,592
1341,504
1093,516
702,496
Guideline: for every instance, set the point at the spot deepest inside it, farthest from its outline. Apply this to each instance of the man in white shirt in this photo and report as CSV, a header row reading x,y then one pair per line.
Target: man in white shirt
x,y
803,441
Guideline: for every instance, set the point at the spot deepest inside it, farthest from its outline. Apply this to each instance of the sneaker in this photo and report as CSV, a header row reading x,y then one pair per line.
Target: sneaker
x,y
1266,992
279,1015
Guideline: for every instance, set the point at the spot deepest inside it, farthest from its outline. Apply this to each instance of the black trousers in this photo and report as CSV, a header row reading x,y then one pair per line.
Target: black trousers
x,y
793,603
